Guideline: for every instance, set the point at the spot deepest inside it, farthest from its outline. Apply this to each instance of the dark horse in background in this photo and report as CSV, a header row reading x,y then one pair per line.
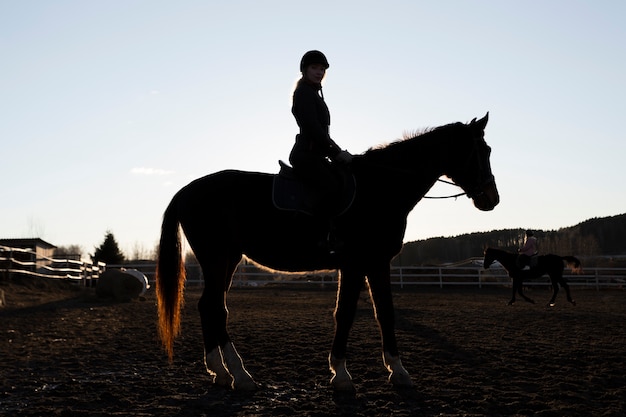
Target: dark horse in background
x,y
230,213
553,265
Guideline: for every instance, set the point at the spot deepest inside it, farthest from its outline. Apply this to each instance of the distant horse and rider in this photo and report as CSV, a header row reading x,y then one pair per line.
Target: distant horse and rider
x,y
222,224
540,265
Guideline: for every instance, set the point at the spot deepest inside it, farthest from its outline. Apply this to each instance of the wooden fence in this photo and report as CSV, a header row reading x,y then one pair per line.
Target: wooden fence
x,y
16,261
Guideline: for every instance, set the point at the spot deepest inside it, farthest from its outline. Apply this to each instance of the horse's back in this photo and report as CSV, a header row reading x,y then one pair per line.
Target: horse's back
x,y
216,199
227,184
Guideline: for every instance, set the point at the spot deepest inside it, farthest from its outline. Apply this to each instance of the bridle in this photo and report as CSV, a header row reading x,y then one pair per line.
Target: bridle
x,y
477,190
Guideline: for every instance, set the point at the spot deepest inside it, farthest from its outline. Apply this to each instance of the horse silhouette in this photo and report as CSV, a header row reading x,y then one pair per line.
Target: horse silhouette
x,y
553,265
230,213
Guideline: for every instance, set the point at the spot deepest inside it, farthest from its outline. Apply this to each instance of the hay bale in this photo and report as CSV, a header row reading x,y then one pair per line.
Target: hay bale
x,y
119,284
141,277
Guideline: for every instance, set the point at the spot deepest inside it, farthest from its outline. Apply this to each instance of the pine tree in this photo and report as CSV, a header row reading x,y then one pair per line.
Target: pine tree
x,y
109,252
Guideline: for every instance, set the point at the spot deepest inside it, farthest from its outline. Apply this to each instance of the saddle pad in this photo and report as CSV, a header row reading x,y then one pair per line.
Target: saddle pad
x,y
290,194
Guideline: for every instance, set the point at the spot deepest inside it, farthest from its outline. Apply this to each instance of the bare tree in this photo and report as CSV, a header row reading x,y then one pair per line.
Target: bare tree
x,y
74,252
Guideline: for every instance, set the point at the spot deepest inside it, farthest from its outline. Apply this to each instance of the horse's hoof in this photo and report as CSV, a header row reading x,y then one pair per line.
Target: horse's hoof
x,y
247,385
223,381
573,302
510,303
400,380
551,304
342,385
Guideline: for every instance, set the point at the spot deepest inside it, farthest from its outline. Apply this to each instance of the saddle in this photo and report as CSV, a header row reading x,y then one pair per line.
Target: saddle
x,y
290,193
524,261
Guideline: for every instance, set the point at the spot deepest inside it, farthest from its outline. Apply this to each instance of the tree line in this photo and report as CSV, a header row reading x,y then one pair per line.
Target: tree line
x,y
600,238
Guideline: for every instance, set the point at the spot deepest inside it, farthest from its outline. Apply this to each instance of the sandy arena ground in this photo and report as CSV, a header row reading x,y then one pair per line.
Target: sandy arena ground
x,y
63,352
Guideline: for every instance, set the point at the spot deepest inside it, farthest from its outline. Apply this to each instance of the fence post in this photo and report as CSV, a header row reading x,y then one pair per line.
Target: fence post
x,y
9,264
440,278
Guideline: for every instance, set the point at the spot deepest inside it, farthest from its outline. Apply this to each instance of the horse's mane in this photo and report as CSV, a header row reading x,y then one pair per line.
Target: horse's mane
x,y
410,136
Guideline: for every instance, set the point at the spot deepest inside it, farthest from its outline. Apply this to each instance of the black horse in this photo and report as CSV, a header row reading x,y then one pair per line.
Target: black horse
x,y
230,213
553,265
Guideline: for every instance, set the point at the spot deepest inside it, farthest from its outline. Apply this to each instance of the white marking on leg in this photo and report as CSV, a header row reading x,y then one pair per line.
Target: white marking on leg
x,y
341,380
216,368
398,375
242,380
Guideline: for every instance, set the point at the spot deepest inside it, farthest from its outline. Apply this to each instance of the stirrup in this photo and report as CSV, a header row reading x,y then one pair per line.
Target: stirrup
x,y
333,244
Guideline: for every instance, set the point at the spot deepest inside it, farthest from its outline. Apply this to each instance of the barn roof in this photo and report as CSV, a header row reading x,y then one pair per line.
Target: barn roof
x,y
27,243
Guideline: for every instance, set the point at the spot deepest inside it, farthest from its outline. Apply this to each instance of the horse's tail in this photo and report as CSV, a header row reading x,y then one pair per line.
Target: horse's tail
x,y
573,263
170,278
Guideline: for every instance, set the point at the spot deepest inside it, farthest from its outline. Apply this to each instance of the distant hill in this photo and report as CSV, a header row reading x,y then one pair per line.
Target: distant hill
x,y
596,237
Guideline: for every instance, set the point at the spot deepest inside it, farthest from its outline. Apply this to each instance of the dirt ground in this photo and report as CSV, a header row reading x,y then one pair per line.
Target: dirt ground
x,y
63,352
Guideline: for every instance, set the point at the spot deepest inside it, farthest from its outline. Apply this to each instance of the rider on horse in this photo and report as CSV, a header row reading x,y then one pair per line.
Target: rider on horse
x,y
527,251
315,155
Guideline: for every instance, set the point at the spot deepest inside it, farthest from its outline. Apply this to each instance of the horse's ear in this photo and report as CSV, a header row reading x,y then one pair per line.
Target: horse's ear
x,y
482,122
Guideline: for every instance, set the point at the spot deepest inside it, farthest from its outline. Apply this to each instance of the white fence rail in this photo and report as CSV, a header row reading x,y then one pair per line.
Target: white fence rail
x,y
16,261
26,262
403,277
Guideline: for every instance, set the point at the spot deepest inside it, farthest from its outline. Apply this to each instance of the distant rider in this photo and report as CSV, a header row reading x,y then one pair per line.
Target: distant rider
x,y
527,251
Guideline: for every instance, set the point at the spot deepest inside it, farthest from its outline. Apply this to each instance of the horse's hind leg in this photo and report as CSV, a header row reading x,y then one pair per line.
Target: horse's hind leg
x,y
221,358
347,300
555,291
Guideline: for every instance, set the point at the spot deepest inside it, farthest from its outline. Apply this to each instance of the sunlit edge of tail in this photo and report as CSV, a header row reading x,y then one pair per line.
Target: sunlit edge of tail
x,y
170,279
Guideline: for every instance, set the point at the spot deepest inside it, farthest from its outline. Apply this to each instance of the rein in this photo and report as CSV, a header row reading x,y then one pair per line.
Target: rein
x,y
446,196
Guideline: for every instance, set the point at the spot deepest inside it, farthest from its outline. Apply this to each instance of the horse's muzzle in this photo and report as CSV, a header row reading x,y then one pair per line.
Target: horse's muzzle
x,y
487,198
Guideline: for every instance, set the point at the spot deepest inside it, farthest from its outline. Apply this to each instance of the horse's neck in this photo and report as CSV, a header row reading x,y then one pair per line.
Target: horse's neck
x,y
412,164
407,169
507,259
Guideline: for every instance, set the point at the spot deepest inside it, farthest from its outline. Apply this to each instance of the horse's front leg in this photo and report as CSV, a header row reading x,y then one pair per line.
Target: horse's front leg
x,y
380,291
565,286
513,291
520,291
350,284
518,287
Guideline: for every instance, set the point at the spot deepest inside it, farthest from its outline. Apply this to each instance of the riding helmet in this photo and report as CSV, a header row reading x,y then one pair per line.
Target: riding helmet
x,y
313,57
529,233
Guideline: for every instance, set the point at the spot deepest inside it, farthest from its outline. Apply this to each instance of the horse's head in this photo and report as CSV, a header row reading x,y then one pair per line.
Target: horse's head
x,y
489,258
471,170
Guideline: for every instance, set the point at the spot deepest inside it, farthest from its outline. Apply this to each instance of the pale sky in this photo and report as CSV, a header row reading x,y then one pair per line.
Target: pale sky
x,y
109,107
